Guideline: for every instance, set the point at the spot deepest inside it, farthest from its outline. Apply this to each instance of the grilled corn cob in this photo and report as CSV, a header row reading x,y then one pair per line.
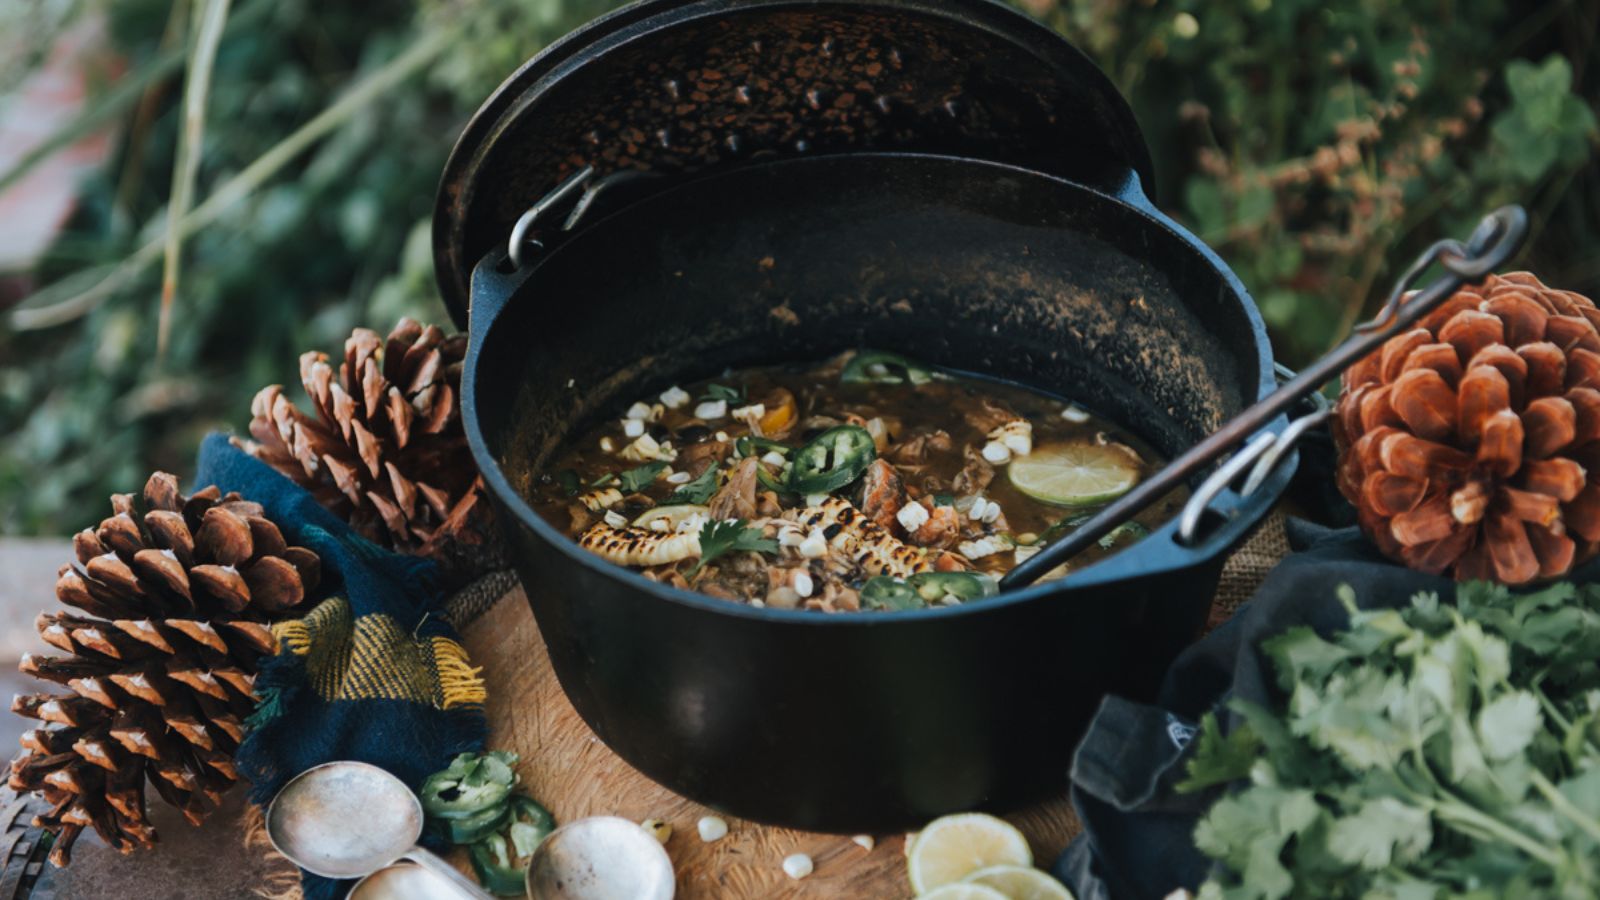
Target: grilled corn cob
x,y
628,546
864,540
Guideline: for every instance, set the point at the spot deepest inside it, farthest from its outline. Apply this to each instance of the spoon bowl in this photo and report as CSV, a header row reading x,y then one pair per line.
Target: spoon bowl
x,y
347,819
344,819
600,858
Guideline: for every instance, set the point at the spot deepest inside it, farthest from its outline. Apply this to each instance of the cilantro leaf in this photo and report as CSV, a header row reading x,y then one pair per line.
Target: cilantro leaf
x,y
719,538
1506,726
697,491
637,479
1381,832
723,392
1218,759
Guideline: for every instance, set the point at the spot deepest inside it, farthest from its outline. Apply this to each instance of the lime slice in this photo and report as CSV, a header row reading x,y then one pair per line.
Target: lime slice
x,y
963,892
1020,883
1078,473
953,847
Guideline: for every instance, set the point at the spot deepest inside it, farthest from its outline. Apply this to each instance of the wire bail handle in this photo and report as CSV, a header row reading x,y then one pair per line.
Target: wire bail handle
x,y
1491,243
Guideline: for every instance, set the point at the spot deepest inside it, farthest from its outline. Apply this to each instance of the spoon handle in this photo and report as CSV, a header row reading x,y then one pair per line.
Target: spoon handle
x,y
439,867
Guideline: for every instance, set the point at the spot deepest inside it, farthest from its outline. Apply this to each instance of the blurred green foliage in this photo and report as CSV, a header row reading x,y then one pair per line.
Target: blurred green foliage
x,y
1316,144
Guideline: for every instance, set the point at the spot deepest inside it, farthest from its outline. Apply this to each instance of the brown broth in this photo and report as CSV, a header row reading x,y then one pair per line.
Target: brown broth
x,y
962,407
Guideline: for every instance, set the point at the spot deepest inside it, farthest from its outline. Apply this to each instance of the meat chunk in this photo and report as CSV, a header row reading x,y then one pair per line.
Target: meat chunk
x,y
975,475
990,414
882,493
942,530
736,499
696,458
914,450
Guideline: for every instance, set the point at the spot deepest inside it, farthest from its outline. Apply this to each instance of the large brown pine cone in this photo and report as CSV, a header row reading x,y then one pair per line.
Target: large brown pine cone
x,y
1471,444
172,598
383,446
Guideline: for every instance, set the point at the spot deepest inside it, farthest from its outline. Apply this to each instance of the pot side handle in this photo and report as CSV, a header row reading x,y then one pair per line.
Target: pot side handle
x,y
494,281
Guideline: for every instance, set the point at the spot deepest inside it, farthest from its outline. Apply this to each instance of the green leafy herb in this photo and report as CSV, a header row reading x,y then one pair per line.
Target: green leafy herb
x,y
719,538
637,479
697,491
723,392
569,483
605,480
1424,752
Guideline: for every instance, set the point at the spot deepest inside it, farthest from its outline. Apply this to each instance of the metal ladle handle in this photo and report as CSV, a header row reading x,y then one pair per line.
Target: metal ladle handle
x,y
1495,239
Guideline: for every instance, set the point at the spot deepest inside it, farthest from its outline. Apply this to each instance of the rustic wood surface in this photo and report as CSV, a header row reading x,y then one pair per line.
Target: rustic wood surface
x,y
575,775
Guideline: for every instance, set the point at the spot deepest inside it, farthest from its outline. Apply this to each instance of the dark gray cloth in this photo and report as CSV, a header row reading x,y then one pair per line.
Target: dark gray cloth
x,y
1137,838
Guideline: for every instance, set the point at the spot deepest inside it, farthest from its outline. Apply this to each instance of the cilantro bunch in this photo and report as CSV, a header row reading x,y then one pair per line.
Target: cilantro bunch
x,y
1426,752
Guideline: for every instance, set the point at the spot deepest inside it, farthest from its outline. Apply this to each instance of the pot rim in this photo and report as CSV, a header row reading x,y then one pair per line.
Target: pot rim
x,y
1110,570
520,92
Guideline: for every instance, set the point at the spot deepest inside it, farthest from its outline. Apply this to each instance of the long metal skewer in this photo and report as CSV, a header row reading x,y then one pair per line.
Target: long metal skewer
x,y
1495,239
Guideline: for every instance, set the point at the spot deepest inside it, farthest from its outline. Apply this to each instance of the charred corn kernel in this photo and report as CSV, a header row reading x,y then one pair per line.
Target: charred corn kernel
x,y
675,397
814,546
660,830
1016,436
711,409
632,427
604,498
988,545
790,536
996,452
645,448
750,416
712,828
797,865
865,841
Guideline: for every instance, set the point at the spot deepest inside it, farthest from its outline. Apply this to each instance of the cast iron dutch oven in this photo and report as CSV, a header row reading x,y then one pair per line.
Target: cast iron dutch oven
x,y
943,179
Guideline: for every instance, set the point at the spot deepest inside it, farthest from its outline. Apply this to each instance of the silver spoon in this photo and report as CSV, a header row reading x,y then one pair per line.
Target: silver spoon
x,y
600,858
348,819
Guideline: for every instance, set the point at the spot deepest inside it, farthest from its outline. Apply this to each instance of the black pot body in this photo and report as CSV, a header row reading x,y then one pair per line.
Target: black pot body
x,y
868,721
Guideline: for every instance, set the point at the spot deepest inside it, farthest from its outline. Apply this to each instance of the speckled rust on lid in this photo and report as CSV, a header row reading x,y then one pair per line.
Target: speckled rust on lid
x,y
673,87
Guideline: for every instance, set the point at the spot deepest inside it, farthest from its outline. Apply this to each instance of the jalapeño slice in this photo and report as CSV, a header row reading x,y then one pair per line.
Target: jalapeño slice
x,y
835,458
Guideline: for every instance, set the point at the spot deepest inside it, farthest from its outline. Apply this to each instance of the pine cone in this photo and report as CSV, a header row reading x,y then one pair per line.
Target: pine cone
x,y
161,668
384,447
1471,444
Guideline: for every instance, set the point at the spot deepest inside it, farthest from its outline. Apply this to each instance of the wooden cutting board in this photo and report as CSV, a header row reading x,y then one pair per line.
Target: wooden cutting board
x,y
570,771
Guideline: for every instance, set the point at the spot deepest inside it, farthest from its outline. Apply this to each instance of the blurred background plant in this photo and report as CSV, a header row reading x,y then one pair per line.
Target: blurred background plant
x,y
1317,144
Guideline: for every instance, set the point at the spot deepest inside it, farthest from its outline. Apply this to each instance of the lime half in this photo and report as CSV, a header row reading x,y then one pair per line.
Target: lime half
x,y
953,847
1076,473
1020,883
963,892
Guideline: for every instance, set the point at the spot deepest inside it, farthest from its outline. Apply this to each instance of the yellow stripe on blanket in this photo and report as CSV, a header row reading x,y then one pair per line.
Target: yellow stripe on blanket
x,y
374,658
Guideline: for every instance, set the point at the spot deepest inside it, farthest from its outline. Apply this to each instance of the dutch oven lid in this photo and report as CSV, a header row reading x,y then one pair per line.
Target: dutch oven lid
x,y
675,86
